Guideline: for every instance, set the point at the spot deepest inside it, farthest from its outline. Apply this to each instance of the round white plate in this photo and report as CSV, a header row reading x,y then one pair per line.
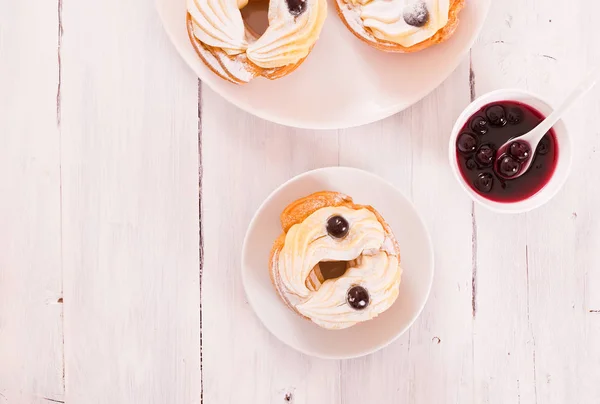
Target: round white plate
x,y
416,260
343,82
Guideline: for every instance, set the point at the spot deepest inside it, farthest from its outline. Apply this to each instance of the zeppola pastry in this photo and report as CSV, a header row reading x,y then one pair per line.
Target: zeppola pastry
x,y
400,25
336,263
233,51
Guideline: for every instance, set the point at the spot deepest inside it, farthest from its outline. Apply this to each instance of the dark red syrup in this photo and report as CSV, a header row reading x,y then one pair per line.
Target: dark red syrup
x,y
485,132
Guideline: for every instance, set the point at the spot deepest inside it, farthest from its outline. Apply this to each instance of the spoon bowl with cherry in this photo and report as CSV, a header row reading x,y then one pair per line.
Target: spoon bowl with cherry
x,y
516,155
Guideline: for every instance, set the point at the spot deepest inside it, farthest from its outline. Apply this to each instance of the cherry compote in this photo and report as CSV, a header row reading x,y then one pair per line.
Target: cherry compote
x,y
478,143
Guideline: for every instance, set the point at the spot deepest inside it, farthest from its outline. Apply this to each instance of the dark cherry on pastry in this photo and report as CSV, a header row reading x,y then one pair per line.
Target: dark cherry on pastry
x,y
416,14
296,7
358,297
337,226
477,147
328,279
401,26
237,45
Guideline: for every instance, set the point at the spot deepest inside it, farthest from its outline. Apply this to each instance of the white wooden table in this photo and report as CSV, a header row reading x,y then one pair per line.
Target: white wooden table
x,y
115,287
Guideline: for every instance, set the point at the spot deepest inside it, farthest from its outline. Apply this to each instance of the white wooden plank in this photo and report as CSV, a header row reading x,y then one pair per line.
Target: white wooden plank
x,y
535,339
244,159
130,209
130,226
261,156
31,364
432,362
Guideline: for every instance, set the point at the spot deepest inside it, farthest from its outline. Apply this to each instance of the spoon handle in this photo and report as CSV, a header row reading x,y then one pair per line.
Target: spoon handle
x,y
590,80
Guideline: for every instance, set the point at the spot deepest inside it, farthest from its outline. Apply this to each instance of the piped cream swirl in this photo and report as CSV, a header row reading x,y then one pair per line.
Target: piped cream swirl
x,y
287,40
385,19
373,265
218,23
379,274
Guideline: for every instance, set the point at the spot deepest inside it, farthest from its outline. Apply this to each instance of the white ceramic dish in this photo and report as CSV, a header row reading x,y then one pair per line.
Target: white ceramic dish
x,y
344,82
361,339
565,153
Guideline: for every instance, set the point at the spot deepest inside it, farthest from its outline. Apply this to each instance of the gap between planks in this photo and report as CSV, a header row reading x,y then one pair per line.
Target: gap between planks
x,y
60,32
200,232
473,218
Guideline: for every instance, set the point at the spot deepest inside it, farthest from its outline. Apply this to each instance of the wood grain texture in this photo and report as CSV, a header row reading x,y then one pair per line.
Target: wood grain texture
x,y
509,319
535,338
130,209
404,149
31,365
244,159
99,188
433,361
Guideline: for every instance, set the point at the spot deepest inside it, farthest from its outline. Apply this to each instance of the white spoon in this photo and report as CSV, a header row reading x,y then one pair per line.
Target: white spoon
x,y
531,139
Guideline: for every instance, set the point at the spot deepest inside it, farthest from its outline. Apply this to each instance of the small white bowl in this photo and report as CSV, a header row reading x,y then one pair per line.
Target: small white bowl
x,y
416,260
563,165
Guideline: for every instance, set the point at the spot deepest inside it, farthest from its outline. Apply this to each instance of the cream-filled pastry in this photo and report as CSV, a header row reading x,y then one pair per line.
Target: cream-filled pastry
x,y
233,51
337,263
400,25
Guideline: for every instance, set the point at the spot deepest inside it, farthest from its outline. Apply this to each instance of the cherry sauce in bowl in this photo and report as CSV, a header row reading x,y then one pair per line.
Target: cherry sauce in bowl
x,y
476,151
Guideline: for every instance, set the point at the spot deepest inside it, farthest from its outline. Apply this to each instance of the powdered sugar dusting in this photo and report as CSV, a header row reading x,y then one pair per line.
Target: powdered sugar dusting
x,y
369,251
243,55
212,62
234,67
351,14
237,67
389,23
388,246
416,14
